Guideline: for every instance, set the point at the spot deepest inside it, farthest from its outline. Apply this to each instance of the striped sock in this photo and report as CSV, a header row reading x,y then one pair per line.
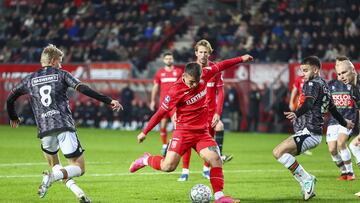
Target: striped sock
x,y
295,168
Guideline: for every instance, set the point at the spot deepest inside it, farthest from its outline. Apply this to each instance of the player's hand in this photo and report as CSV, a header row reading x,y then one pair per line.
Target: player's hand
x,y
349,124
173,118
215,120
247,58
291,116
291,106
141,137
116,106
152,105
15,123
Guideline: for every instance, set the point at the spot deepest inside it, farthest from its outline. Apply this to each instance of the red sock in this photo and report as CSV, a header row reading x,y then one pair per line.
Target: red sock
x,y
186,159
163,135
206,164
217,179
155,162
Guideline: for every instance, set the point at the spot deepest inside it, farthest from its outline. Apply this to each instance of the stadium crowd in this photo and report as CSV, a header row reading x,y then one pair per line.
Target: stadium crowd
x,y
285,31
88,30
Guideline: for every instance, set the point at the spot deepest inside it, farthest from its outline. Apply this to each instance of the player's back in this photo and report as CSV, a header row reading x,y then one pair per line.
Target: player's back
x,y
47,88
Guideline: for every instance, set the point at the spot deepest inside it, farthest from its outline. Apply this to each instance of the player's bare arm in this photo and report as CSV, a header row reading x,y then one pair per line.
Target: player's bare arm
x,y
294,91
154,92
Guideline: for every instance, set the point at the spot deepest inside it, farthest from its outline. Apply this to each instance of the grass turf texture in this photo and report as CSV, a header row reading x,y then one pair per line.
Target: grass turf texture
x,y
253,175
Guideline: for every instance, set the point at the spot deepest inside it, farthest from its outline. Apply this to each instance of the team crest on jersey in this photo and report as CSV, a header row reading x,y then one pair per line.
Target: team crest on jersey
x,y
174,73
162,74
348,87
167,99
333,87
311,84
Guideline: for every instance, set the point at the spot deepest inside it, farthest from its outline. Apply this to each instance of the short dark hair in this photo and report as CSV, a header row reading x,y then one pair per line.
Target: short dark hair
x,y
312,61
167,54
342,58
193,69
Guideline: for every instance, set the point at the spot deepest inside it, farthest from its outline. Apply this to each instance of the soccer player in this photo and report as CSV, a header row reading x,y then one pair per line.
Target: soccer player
x,y
318,102
163,80
188,96
346,73
47,89
215,85
296,92
337,135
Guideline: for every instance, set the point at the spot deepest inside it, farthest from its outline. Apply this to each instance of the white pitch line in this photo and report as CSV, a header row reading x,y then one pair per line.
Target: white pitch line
x,y
160,173
45,164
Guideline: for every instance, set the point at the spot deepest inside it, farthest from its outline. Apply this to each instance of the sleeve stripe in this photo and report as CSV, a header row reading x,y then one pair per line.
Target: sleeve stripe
x,y
80,83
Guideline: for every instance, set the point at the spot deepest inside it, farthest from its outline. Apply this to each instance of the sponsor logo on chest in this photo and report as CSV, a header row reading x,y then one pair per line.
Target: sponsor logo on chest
x,y
196,98
342,100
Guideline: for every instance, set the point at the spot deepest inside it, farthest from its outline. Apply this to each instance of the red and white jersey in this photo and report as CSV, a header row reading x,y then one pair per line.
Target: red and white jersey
x,y
298,84
191,104
212,85
165,79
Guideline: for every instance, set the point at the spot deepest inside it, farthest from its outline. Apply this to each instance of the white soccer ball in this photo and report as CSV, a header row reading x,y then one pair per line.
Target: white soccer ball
x,y
200,193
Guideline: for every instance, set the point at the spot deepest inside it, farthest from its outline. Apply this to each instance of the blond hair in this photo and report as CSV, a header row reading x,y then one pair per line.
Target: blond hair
x,y
50,53
204,43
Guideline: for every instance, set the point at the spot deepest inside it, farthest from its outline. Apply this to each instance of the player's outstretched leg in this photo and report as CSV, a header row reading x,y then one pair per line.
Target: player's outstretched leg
x,y
139,163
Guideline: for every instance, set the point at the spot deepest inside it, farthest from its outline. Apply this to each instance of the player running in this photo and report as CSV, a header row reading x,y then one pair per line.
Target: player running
x,y
318,102
337,135
47,88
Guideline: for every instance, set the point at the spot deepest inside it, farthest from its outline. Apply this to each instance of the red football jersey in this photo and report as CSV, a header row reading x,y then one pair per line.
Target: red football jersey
x,y
165,79
298,84
212,85
191,106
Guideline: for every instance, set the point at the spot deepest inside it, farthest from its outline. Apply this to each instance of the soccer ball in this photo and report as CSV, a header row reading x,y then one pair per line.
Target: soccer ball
x,y
200,193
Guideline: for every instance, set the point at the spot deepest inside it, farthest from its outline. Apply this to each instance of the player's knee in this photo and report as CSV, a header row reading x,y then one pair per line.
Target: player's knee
x,y
215,162
276,153
168,167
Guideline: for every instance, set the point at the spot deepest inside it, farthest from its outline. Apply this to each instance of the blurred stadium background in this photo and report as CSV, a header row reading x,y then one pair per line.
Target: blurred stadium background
x,y
116,46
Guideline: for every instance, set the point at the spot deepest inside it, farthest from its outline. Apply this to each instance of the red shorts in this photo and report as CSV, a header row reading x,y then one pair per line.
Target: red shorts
x,y
183,140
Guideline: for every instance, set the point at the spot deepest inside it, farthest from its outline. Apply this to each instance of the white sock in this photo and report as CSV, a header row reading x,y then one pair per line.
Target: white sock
x,y
205,168
145,161
74,188
185,171
346,157
339,162
356,152
218,195
296,169
72,171
164,146
57,167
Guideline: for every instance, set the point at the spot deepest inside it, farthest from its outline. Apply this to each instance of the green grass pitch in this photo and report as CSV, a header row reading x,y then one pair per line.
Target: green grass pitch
x,y
253,175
